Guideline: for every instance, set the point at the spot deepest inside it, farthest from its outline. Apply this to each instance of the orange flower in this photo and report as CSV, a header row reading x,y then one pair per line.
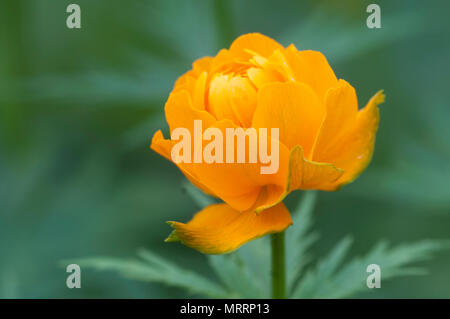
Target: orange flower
x,y
325,142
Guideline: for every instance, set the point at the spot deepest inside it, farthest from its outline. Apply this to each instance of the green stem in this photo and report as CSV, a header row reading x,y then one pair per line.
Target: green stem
x,y
278,266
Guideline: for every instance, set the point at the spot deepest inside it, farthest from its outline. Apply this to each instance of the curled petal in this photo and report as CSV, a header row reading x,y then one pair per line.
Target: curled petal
x,y
302,174
349,146
305,174
220,229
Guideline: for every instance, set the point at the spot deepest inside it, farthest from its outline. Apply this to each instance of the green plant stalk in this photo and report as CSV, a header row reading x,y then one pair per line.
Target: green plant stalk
x,y
278,266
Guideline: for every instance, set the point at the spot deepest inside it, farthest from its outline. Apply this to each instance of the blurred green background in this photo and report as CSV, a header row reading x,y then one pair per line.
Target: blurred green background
x,y
78,109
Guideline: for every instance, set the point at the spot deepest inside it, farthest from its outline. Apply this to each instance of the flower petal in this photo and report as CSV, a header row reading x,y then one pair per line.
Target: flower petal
x,y
243,99
219,103
220,229
260,77
222,58
304,174
253,42
160,145
231,182
240,184
202,64
312,68
163,147
294,109
180,112
352,146
196,87
342,108
232,98
199,66
194,81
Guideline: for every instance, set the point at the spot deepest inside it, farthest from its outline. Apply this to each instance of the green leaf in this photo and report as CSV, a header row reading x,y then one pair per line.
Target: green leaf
x,y
299,238
152,268
237,276
319,278
256,255
327,281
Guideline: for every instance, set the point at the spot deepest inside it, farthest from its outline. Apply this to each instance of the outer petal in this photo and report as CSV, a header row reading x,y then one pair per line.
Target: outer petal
x,y
180,112
202,64
312,68
220,229
233,183
160,145
352,148
241,185
221,61
196,87
342,108
294,109
195,80
163,147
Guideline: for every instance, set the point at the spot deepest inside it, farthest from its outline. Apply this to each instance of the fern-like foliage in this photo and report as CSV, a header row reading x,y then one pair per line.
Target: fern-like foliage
x,y
332,279
246,272
152,268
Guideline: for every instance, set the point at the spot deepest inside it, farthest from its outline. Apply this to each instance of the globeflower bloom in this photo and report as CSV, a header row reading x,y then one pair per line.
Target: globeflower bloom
x,y
324,141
